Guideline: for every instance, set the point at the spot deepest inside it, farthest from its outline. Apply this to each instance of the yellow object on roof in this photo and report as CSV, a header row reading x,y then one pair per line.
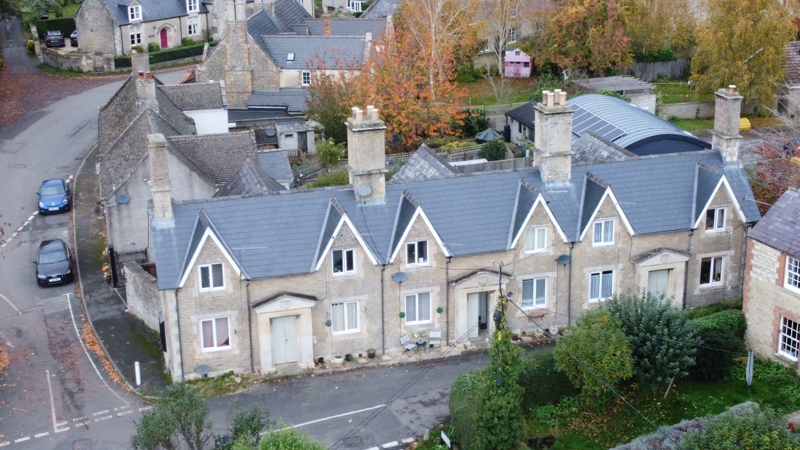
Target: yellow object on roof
x,y
744,124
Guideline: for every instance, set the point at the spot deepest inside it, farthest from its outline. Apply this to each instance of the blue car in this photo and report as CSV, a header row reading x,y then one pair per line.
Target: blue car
x,y
54,196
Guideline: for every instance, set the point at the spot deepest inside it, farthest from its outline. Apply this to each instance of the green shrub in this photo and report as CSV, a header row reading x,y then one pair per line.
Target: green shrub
x,y
731,318
466,74
696,313
330,154
541,381
171,54
65,25
748,428
289,438
464,404
716,351
30,46
122,62
187,41
138,48
153,47
493,151
663,54
338,178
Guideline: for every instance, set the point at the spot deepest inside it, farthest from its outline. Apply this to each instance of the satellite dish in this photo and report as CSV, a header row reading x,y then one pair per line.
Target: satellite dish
x,y
563,260
364,190
400,277
123,198
270,132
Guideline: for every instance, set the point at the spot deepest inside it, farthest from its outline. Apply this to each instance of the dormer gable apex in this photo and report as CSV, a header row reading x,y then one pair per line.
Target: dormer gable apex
x,y
335,219
205,231
595,193
528,199
407,213
726,186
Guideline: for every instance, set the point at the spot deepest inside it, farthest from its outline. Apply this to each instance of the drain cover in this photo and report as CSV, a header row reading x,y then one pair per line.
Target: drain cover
x,y
352,442
83,444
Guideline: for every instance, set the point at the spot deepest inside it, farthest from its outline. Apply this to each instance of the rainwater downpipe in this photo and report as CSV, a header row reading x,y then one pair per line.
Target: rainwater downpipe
x,y
744,259
249,324
569,287
447,297
383,307
180,340
686,275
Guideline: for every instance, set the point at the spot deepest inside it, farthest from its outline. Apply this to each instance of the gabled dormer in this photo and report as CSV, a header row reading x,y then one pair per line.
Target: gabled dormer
x,y
134,12
192,6
714,202
210,257
535,233
601,226
415,247
343,258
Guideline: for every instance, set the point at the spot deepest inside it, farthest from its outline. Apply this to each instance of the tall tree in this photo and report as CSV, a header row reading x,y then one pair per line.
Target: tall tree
x,y
333,91
742,42
656,24
8,8
586,36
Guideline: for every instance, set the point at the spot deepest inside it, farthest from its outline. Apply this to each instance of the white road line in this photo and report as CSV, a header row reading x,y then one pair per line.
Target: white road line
x,y
80,424
21,228
80,418
100,412
4,443
103,418
61,424
12,305
8,343
17,441
373,448
52,402
390,444
123,413
37,436
69,303
330,417
62,430
13,235
120,408
407,440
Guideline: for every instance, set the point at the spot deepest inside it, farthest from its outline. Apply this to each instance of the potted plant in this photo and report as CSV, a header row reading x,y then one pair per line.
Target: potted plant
x,y
348,357
338,359
371,353
539,333
553,330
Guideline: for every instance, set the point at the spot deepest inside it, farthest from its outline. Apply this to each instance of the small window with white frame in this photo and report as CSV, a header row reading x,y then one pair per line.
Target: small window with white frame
x,y
193,25
711,270
601,285
135,13
344,261
192,5
513,34
789,338
534,293
344,317
215,334
211,277
535,239
715,219
603,232
136,35
417,252
792,280
418,308
305,78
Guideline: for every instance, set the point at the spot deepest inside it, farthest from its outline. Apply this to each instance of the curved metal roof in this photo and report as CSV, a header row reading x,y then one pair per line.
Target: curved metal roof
x,y
637,125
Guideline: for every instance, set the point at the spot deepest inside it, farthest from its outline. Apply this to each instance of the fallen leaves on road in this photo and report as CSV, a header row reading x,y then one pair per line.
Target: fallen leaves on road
x,y
4,359
87,334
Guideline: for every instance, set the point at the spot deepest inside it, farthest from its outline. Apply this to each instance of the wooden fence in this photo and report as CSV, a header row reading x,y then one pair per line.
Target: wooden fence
x,y
650,71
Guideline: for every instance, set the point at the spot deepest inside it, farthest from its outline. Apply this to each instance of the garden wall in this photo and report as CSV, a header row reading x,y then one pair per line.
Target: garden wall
x,y
688,110
80,61
141,291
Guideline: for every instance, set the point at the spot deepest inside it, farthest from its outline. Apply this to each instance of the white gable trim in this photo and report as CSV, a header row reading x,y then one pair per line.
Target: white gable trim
x,y
286,302
723,181
342,221
419,213
609,194
199,248
539,201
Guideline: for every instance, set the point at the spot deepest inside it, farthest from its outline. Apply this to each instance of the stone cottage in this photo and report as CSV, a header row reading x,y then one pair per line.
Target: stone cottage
x,y
275,281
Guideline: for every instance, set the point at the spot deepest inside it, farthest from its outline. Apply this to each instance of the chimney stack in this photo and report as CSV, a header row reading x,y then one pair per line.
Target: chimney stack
x,y
727,112
326,26
146,92
140,62
366,155
553,137
160,185
238,73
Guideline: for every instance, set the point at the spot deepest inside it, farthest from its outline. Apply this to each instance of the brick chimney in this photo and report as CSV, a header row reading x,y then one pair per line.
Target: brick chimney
x,y
160,184
553,137
725,136
326,26
145,92
367,45
238,73
140,62
366,155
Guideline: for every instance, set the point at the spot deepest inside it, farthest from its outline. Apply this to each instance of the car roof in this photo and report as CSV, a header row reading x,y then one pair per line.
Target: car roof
x,y
52,244
53,181
53,31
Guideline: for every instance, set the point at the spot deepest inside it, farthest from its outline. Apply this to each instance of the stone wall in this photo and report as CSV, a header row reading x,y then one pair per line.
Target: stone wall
x,y
141,292
96,28
688,110
80,61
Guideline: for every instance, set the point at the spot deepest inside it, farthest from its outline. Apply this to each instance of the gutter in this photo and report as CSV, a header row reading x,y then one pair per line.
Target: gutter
x,y
686,275
383,308
249,325
569,288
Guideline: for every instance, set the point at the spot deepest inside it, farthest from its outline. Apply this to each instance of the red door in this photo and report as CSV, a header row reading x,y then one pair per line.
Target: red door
x,y
164,43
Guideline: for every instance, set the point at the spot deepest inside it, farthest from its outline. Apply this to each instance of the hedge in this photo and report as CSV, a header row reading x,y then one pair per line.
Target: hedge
x,y
466,396
121,62
65,25
732,318
542,383
715,353
171,54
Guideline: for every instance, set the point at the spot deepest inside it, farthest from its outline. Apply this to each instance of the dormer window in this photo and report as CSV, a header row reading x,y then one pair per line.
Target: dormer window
x,y
344,261
290,57
135,13
417,252
192,5
715,219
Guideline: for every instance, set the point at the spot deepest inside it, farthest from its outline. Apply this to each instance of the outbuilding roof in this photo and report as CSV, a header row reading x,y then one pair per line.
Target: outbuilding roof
x,y
780,227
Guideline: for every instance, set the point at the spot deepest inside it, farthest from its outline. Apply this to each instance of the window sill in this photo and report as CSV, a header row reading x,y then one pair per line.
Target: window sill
x,y
715,284
786,357
344,274
345,333
204,290
791,288
215,349
602,244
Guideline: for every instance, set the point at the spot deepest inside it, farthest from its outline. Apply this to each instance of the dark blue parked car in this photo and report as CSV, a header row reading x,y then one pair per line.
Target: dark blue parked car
x,y
54,196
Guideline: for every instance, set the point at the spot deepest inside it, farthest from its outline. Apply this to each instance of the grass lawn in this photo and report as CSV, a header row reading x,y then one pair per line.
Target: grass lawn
x,y
618,424
480,93
679,92
694,124
70,10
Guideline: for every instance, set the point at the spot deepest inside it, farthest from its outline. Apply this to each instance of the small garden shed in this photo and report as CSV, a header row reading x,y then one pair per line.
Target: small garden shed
x,y
518,64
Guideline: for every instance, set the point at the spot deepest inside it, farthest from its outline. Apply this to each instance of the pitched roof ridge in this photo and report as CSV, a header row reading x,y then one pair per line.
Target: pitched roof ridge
x,y
704,166
407,195
592,177
113,97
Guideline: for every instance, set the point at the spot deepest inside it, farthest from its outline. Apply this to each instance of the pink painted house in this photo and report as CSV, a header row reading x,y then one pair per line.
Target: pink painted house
x,y
518,64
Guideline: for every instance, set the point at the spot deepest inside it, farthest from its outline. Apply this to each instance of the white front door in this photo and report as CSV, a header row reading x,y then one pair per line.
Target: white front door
x,y
657,282
284,339
473,314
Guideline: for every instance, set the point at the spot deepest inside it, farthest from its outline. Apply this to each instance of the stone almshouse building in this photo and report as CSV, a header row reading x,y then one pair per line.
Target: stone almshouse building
x,y
274,281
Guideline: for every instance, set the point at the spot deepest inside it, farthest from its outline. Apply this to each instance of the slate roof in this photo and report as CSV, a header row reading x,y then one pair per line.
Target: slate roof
x,y
638,127
249,180
380,9
287,14
275,163
152,10
218,156
347,27
195,96
293,99
116,115
793,63
310,49
424,164
780,227
656,194
591,148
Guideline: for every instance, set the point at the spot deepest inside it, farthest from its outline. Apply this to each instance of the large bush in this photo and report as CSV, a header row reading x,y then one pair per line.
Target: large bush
x,y
717,346
748,428
542,383
338,178
288,439
660,335
733,319
464,404
493,151
180,415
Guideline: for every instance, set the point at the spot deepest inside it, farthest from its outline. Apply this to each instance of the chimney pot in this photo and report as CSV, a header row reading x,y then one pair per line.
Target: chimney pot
x,y
141,75
551,99
544,96
732,88
562,98
375,114
147,75
359,115
354,109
